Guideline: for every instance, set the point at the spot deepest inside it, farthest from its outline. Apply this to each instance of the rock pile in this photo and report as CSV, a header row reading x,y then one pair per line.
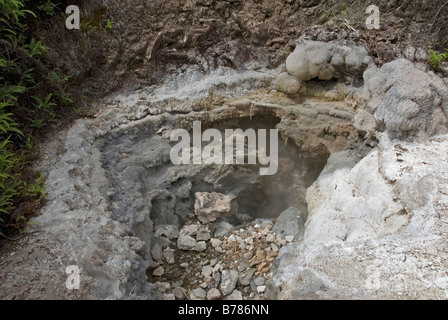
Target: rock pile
x,y
215,260
322,60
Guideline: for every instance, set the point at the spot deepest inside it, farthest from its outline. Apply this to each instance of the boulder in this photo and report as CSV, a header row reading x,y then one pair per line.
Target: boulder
x,y
286,83
406,102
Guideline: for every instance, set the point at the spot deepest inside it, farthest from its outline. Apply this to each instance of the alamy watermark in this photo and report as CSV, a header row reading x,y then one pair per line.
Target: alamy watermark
x,y
74,19
230,148
373,20
73,281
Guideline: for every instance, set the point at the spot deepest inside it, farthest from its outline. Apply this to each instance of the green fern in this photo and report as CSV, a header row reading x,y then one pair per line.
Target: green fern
x,y
34,48
436,59
45,103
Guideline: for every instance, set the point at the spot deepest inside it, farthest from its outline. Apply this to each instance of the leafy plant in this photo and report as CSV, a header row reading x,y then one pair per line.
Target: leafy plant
x,y
88,27
47,8
81,111
109,24
31,96
34,48
436,59
45,103
56,78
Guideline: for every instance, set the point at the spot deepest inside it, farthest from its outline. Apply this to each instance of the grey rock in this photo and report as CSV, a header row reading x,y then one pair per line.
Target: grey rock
x,y
162,242
235,295
215,242
287,84
259,281
215,280
213,294
407,102
203,234
261,289
289,223
189,230
229,280
156,252
248,255
272,291
210,206
207,271
243,265
186,242
325,60
199,293
158,272
200,246
179,293
168,256
246,277
223,229
167,230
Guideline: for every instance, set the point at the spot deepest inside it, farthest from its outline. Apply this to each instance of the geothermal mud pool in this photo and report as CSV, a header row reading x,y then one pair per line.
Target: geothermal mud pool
x,y
239,244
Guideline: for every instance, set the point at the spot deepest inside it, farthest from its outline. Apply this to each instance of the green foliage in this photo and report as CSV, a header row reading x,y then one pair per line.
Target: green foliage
x,y
34,48
436,59
48,8
31,97
109,24
88,27
82,111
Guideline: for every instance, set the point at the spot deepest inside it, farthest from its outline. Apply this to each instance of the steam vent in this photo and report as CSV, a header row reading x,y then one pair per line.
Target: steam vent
x,y
229,150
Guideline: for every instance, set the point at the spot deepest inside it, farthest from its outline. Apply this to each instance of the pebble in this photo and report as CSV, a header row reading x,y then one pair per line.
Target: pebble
x,y
259,281
186,242
219,249
213,262
249,240
169,257
204,285
242,266
158,272
261,289
213,294
229,280
261,266
235,295
189,230
179,293
168,296
217,268
215,280
270,238
169,231
246,277
215,242
207,271
200,246
199,293
203,234
156,252
248,255
265,231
